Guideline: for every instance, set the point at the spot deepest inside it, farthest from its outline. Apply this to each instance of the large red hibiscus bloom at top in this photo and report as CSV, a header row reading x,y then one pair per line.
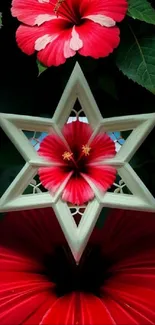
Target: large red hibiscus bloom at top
x,y
113,284
59,29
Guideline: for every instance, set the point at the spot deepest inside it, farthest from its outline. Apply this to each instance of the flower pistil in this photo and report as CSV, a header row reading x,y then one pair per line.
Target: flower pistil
x,y
67,155
86,149
57,6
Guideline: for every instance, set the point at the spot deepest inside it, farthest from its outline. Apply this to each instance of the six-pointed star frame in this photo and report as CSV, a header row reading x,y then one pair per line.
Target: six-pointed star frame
x,y
140,199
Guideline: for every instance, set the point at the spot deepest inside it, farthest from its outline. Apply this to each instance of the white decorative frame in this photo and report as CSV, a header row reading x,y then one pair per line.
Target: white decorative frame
x,y
77,236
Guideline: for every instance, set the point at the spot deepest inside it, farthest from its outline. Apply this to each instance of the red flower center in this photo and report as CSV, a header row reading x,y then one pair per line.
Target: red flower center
x,y
77,162
62,9
88,276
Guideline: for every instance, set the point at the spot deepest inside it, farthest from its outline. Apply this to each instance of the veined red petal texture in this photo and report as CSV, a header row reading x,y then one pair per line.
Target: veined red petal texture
x,y
78,158
59,29
76,134
77,190
127,290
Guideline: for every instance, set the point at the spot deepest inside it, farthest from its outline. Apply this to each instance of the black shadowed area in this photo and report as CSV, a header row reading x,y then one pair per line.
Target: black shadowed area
x,y
88,276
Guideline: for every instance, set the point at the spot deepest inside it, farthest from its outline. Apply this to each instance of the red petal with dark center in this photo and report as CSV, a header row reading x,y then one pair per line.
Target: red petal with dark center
x,y
53,177
101,176
52,148
77,134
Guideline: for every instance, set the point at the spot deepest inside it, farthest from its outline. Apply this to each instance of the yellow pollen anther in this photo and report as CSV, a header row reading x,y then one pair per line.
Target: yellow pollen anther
x,y
86,149
67,155
57,6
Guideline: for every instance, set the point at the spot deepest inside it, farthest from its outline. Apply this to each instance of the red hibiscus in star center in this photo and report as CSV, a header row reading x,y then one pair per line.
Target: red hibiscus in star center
x,y
77,160
59,29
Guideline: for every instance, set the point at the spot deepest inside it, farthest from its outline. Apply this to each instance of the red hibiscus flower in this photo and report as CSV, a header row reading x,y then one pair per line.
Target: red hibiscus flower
x,y
59,29
113,284
77,160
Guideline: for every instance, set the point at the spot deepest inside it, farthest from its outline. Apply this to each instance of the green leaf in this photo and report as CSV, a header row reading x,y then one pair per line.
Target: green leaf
x,y
142,10
41,68
135,57
1,20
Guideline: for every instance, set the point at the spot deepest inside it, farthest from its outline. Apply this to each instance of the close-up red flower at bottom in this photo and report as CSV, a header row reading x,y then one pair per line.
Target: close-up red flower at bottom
x,y
41,284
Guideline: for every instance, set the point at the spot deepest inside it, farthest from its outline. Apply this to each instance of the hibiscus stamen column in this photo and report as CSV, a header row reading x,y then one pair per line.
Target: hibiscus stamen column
x,y
57,6
69,156
86,149
71,12
67,12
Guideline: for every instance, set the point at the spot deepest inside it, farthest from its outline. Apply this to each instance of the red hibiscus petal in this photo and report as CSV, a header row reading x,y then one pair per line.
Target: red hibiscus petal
x,y
22,290
98,41
77,129
30,39
31,12
130,242
132,230
102,146
26,38
53,177
29,228
58,51
52,148
17,263
19,308
81,309
37,314
77,191
137,296
99,312
25,294
115,9
57,314
101,176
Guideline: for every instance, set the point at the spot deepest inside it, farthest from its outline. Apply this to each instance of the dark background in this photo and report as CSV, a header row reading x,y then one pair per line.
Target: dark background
x,y
23,92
